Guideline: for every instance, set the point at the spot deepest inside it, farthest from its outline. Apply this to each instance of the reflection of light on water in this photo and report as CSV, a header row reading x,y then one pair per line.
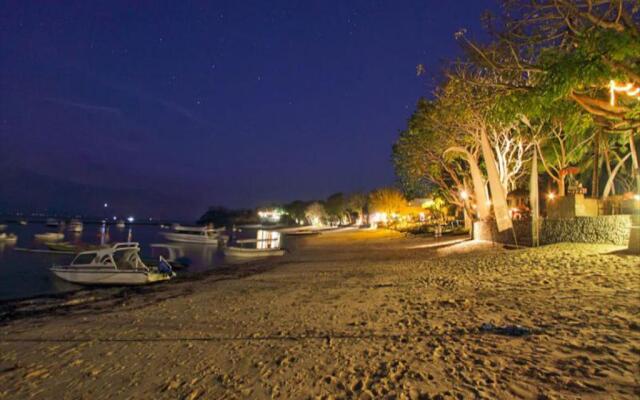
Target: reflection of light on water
x,y
268,240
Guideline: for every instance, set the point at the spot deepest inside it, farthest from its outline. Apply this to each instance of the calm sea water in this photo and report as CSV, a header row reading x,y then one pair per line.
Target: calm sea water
x,y
25,274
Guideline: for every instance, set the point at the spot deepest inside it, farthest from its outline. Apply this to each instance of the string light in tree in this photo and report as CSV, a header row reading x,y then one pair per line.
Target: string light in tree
x,y
629,89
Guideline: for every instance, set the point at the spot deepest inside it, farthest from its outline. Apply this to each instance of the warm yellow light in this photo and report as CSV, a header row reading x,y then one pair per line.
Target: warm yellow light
x,y
464,195
551,196
627,89
636,197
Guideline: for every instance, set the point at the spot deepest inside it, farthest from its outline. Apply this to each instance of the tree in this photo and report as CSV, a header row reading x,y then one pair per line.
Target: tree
x,y
357,203
316,214
583,51
336,207
297,209
388,201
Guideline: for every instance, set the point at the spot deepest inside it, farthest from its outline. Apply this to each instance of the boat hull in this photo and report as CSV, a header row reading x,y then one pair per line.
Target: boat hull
x,y
49,236
240,252
100,276
186,238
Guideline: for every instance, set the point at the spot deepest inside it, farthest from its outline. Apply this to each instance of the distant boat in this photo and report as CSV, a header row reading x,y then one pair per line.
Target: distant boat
x,y
52,222
194,234
117,265
22,222
75,226
71,247
11,238
252,252
307,232
120,224
8,238
49,236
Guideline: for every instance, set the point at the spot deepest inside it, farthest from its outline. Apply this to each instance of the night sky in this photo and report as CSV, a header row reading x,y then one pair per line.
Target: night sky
x,y
165,108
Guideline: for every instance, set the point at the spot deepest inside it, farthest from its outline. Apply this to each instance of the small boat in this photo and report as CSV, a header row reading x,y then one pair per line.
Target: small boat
x,y
120,224
71,247
252,252
22,222
52,222
75,226
11,238
307,232
194,234
116,265
49,236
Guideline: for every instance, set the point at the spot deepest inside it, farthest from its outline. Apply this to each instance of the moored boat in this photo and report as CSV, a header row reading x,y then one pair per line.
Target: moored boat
x,y
116,265
241,251
10,238
194,234
120,224
75,226
71,247
49,236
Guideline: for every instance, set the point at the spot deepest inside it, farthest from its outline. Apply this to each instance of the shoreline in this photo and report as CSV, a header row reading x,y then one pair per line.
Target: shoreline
x,y
368,314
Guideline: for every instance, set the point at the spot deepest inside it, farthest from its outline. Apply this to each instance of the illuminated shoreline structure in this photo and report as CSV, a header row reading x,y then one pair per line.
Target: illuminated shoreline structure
x,y
272,215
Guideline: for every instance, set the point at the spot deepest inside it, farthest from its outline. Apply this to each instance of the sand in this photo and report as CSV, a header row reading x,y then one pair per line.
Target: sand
x,y
366,315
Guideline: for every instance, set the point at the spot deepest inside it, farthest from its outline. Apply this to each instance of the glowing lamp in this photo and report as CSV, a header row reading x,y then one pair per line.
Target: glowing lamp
x,y
464,195
629,89
130,219
551,196
636,197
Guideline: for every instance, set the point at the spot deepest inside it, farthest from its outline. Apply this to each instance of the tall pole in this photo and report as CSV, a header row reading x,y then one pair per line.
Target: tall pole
x,y
534,201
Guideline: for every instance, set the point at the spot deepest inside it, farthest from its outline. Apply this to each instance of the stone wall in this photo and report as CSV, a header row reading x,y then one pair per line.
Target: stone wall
x,y
608,229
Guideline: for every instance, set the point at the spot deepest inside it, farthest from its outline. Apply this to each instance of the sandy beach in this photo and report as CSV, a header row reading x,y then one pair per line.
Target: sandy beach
x,y
364,314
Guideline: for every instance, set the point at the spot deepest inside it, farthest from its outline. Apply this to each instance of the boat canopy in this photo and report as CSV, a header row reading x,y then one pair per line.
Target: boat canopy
x,y
120,256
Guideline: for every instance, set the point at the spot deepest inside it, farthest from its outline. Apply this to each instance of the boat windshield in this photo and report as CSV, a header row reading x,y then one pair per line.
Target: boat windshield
x,y
83,259
126,259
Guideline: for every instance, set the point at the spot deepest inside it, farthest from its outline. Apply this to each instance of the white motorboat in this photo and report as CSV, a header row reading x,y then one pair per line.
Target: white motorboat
x,y
8,238
261,249
75,226
49,236
117,265
194,234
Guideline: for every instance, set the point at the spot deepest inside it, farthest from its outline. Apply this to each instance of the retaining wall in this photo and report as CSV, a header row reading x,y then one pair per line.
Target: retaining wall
x,y
607,229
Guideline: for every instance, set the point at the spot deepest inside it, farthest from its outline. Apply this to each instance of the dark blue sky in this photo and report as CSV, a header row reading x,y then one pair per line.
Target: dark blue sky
x,y
164,108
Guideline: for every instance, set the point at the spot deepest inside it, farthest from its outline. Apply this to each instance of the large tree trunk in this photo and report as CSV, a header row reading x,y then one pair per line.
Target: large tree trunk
x,y
561,187
634,158
595,189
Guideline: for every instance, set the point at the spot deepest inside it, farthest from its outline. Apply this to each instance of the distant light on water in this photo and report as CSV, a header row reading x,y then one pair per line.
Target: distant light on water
x,y
130,219
106,205
114,218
